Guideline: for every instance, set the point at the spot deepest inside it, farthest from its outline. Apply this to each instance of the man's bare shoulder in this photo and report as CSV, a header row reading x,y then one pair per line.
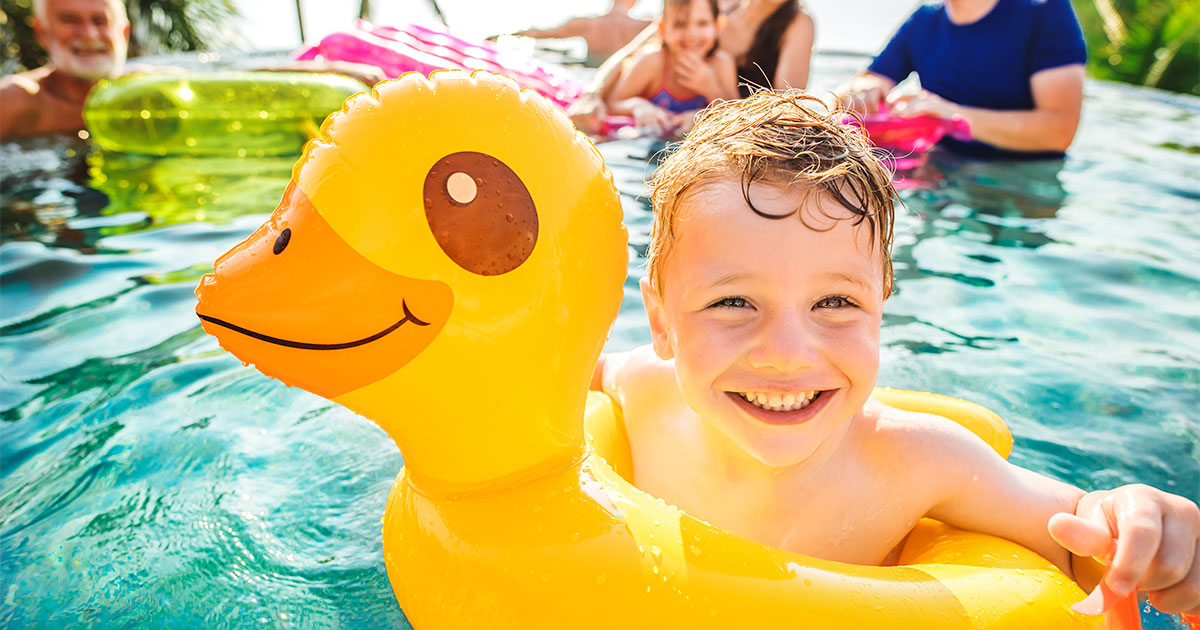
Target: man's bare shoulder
x,y
21,97
23,85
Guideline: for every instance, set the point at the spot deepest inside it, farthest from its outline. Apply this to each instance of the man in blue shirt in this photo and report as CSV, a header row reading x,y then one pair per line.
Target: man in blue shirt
x,y
1012,68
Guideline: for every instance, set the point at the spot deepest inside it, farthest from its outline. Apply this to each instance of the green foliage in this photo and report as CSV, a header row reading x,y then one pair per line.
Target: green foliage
x,y
156,26
1146,42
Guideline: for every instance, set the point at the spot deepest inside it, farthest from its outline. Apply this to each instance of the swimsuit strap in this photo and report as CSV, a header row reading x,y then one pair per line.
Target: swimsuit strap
x,y
662,81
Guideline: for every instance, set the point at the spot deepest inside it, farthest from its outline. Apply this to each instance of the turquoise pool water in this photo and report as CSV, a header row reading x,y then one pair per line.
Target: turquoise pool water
x,y
147,479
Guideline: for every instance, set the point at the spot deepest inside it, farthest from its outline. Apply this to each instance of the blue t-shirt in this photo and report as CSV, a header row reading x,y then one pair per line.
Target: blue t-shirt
x,y
987,63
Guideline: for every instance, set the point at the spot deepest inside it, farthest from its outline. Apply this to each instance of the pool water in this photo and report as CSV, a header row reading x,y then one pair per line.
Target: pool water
x,y
148,479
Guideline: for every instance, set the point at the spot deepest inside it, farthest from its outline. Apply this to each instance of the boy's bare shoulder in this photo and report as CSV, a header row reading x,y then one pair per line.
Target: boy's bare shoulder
x,y
638,378
923,438
635,368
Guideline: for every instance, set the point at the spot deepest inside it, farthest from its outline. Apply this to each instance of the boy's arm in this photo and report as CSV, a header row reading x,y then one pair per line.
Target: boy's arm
x,y
1147,537
980,491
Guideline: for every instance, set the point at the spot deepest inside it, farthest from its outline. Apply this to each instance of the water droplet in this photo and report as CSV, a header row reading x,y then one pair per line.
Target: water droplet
x,y
602,578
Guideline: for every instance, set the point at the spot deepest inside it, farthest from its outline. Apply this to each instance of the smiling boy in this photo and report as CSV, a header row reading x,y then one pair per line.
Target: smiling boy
x,y
769,265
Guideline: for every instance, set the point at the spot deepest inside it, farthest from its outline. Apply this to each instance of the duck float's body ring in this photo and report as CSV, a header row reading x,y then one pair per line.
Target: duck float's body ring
x,y
504,517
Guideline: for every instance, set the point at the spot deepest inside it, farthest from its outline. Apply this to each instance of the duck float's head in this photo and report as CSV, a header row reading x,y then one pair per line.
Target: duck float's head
x,y
446,261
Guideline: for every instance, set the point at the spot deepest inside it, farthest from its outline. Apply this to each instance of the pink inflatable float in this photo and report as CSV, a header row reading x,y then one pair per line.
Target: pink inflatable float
x,y
414,48
912,135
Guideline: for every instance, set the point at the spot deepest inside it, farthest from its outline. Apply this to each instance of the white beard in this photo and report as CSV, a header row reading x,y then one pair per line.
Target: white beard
x,y
103,64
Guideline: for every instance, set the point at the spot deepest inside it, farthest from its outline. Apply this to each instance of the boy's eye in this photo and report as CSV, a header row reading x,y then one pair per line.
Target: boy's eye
x,y
731,302
835,301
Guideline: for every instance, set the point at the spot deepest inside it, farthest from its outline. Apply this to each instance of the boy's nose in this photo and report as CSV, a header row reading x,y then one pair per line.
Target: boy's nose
x,y
786,344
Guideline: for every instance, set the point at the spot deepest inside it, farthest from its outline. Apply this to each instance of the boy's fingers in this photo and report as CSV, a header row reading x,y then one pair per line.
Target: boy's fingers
x,y
1184,596
1176,557
1139,533
1080,536
1097,602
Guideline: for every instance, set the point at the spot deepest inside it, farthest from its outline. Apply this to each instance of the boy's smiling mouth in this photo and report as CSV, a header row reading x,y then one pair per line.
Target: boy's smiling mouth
x,y
780,408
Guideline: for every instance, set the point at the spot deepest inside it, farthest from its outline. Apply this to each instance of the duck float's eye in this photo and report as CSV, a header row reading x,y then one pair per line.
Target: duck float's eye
x,y
280,243
480,213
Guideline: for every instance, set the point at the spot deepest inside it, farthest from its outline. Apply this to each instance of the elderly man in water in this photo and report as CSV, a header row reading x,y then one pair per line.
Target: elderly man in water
x,y
87,41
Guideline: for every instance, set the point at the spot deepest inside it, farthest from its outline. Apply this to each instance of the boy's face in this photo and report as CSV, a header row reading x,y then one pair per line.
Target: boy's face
x,y
774,327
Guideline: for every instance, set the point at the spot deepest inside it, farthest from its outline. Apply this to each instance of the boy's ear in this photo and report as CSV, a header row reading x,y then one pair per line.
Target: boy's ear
x,y
722,20
660,338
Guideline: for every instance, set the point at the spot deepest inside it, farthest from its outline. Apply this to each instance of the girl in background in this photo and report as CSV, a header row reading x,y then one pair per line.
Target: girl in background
x,y
666,87
771,41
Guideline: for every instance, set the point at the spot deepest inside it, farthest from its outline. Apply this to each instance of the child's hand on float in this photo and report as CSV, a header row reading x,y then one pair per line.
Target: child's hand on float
x,y
684,122
923,103
1149,539
648,114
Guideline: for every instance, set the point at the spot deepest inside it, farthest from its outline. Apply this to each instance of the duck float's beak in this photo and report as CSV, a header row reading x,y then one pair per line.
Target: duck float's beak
x,y
303,306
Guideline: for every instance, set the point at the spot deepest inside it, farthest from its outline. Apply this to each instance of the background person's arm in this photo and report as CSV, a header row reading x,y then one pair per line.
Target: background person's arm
x,y
627,98
589,110
865,92
575,27
1049,126
795,54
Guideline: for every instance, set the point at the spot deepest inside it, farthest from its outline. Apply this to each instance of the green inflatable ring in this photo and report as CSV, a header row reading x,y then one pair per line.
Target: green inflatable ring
x,y
244,114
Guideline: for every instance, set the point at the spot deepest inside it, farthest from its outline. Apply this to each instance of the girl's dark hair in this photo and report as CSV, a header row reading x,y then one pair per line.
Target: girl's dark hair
x,y
762,58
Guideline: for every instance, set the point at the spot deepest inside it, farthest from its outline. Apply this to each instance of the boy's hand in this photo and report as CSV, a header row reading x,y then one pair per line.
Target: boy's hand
x,y
1149,539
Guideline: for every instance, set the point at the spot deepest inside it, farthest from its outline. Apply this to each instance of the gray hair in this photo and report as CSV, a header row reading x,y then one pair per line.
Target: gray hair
x,y
39,9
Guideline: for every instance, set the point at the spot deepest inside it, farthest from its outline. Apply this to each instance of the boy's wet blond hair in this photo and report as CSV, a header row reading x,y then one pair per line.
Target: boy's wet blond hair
x,y
789,139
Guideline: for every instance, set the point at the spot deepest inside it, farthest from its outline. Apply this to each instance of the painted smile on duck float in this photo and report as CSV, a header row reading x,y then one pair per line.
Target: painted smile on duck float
x,y
447,262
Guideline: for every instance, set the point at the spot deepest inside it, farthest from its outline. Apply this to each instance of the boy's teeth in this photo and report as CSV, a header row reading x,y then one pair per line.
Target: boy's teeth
x,y
791,401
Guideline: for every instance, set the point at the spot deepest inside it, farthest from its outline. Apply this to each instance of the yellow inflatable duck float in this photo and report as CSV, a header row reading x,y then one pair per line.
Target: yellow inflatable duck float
x,y
447,261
